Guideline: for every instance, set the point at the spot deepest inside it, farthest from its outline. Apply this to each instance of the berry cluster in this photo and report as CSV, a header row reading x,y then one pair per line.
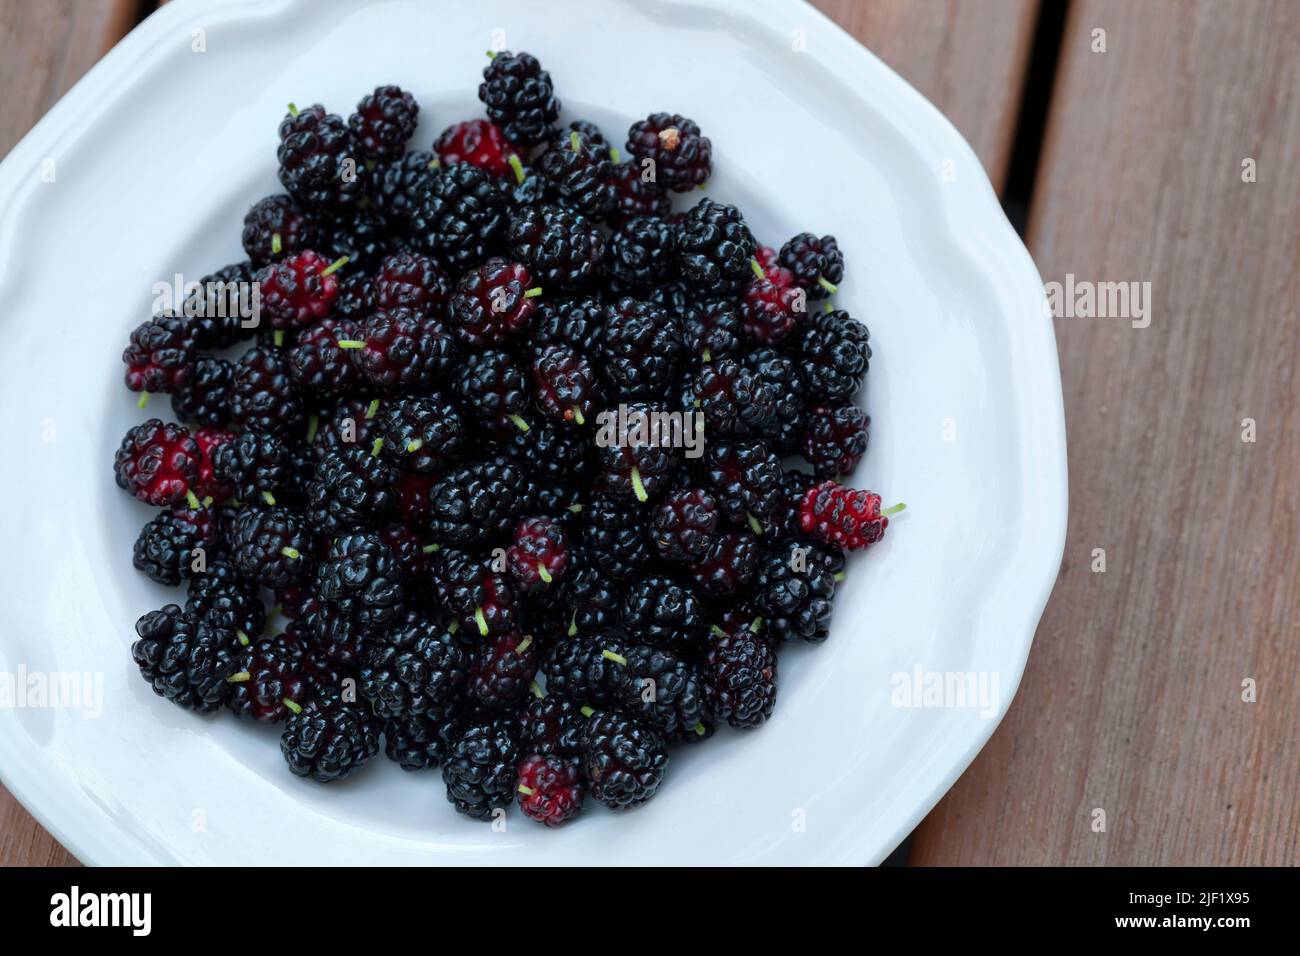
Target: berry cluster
x,y
409,458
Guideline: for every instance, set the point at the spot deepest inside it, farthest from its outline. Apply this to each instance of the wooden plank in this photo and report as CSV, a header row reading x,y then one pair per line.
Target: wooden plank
x,y
44,49
967,57
1132,700
23,842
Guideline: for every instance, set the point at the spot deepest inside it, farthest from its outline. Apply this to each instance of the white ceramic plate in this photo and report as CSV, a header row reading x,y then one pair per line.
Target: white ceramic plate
x,y
157,153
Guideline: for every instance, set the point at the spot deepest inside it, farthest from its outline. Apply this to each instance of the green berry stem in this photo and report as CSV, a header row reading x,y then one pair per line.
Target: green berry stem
x,y
519,423
533,293
758,269
481,621
828,286
335,266
543,573
289,552
144,400
268,498
193,500
524,644
276,246
293,705
637,487
350,343
893,510
517,165
609,655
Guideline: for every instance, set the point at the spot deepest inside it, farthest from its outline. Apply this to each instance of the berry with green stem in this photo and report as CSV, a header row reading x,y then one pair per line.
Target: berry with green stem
x,y
549,789
539,555
424,435
740,672
184,659
565,382
402,350
253,464
815,263
157,462
269,544
493,387
480,143
493,304
160,356
298,290
330,739
844,517
270,684
276,227
503,673
415,667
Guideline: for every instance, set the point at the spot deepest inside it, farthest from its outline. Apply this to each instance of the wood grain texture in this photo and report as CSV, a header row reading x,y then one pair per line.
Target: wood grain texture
x,y
24,842
968,57
1132,697
45,47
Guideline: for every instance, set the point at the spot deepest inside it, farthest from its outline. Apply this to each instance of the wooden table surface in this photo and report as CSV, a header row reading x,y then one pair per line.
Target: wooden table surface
x,y
1126,130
